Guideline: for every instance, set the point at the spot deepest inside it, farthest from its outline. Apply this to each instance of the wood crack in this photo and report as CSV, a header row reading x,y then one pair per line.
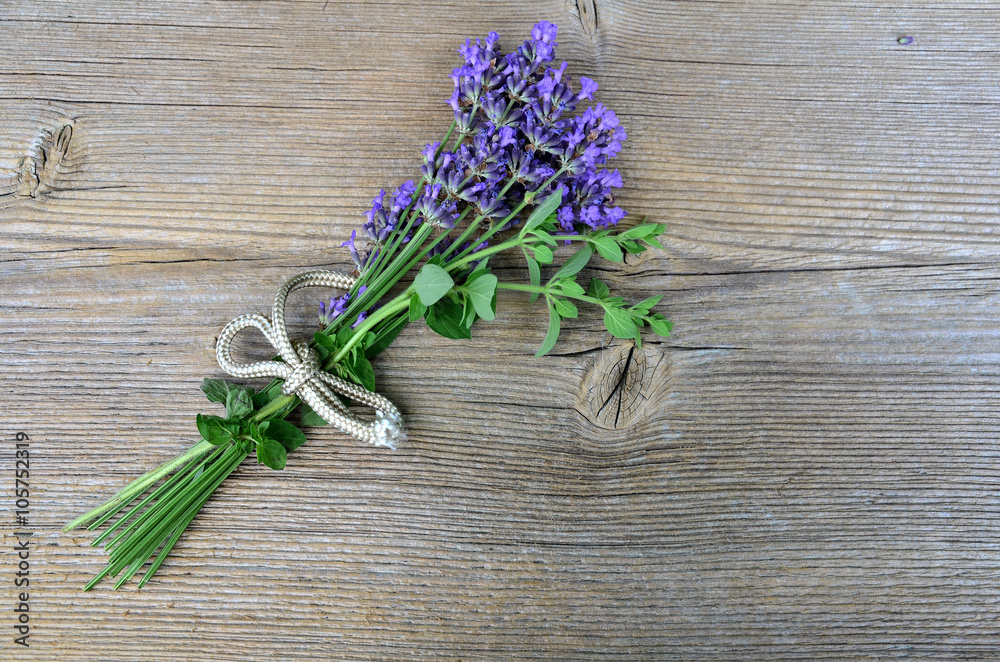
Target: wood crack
x,y
619,387
794,270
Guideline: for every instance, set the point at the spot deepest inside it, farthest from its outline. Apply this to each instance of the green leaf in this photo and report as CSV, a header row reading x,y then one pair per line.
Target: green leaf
x,y
481,266
268,393
575,263
646,304
660,325
632,246
552,335
542,212
343,336
598,289
325,345
215,390
566,308
542,253
322,353
311,418
417,309
256,431
571,288
545,237
212,430
619,323
285,433
475,274
432,283
361,372
640,231
445,318
468,312
272,454
608,248
239,403
653,242
482,293
385,337
325,341
534,273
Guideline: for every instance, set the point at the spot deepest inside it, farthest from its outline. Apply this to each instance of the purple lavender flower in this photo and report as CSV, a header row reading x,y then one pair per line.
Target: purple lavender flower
x,y
512,110
436,211
566,218
334,309
354,249
381,220
506,137
519,129
587,88
589,199
490,205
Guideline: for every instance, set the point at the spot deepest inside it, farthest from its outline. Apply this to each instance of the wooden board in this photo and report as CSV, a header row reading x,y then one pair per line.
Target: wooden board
x,y
806,470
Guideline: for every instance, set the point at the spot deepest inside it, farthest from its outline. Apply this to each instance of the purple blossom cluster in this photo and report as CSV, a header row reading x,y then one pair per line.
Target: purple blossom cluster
x,y
331,311
512,112
381,222
516,137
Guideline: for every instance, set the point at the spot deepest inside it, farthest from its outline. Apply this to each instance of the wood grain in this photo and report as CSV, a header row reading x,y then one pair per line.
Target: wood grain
x,y
806,470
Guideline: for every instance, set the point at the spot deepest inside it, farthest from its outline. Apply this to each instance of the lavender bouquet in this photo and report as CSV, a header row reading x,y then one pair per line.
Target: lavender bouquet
x,y
516,171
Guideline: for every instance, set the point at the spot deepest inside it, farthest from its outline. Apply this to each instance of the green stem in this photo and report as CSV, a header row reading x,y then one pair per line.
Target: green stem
x,y
395,306
273,407
483,254
186,520
143,543
498,226
541,289
444,141
465,235
404,224
382,284
405,221
161,502
138,486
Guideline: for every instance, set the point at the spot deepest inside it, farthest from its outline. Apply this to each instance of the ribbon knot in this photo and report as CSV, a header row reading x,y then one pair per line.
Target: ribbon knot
x,y
304,371
301,371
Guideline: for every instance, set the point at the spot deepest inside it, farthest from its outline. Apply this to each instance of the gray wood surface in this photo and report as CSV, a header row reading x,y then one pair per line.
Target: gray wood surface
x,y
806,470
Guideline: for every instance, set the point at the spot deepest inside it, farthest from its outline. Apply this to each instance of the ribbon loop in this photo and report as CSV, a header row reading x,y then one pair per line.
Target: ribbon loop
x,y
301,371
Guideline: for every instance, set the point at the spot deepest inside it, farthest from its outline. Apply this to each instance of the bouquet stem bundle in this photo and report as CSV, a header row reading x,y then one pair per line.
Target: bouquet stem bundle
x,y
515,171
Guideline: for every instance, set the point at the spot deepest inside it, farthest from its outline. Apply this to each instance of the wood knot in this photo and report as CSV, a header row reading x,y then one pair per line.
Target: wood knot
x,y
588,16
617,387
39,170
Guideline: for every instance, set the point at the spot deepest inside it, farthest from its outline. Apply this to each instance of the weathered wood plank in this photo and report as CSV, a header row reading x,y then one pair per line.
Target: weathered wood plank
x,y
806,470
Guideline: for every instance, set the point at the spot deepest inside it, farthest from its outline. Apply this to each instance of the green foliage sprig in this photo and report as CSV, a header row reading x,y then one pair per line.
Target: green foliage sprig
x,y
451,309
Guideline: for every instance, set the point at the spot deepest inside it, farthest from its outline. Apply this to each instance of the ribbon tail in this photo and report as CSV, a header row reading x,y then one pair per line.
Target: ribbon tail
x,y
385,430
